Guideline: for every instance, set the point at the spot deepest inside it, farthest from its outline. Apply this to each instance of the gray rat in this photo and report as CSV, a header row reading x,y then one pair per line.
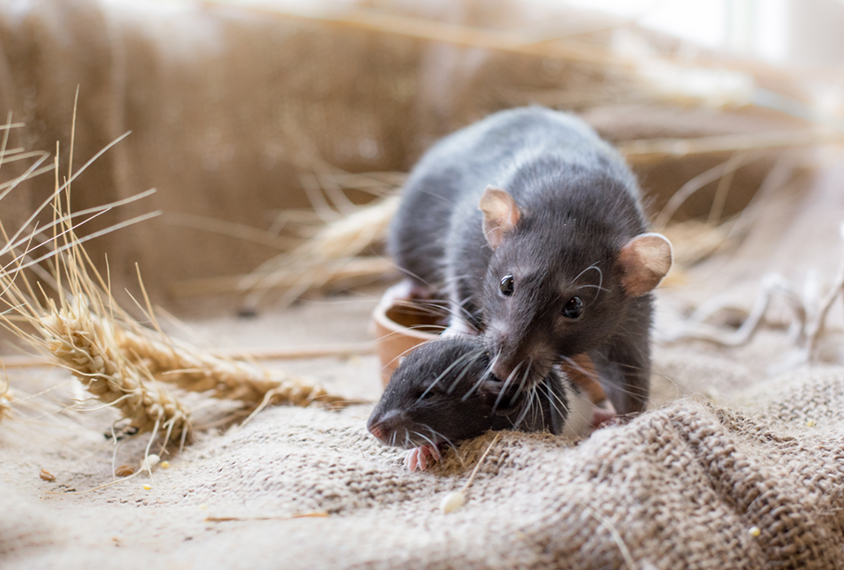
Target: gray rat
x,y
442,393
532,227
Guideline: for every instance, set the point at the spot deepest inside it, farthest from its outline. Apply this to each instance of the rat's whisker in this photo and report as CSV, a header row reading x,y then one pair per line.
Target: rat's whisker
x,y
594,287
554,399
487,373
522,383
431,442
442,375
506,384
600,285
472,358
447,441
573,363
531,395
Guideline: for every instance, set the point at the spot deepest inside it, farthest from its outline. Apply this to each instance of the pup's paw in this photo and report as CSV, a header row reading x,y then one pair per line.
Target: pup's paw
x,y
421,457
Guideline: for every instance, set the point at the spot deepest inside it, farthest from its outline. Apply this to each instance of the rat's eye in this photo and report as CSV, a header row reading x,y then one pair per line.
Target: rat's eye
x,y
426,394
573,308
506,285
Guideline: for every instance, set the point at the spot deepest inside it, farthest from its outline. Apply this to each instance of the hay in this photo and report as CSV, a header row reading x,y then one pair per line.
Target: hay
x,y
121,363
331,96
807,318
5,400
324,255
329,257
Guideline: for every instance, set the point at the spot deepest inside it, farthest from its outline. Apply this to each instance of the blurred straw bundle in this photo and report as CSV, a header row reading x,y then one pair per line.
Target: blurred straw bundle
x,y
704,132
341,98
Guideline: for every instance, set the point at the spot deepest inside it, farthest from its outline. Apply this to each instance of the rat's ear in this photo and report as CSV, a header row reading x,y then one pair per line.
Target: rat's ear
x,y
501,214
644,261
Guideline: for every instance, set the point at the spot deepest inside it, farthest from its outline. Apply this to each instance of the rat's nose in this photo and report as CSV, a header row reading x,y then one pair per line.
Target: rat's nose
x,y
503,370
518,372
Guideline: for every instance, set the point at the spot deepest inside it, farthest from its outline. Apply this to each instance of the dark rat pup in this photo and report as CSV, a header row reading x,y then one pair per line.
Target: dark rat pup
x,y
442,393
532,227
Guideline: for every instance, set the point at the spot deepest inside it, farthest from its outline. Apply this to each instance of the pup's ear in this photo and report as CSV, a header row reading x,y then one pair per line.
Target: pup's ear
x,y
500,215
644,261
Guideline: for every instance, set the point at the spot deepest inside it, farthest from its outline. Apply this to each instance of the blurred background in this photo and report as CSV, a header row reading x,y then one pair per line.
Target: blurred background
x,y
264,124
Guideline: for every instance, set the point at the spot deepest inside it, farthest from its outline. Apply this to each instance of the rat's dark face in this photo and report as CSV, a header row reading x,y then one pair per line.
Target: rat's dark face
x,y
551,291
442,393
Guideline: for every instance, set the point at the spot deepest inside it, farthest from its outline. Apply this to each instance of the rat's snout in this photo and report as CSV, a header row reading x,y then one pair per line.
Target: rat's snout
x,y
508,361
512,369
525,362
388,427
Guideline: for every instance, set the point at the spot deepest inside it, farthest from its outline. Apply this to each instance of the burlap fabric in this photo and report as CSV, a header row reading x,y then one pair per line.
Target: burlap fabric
x,y
689,485
730,469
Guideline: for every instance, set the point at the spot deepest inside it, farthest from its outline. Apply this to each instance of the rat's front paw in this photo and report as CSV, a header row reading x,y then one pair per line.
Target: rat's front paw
x,y
421,457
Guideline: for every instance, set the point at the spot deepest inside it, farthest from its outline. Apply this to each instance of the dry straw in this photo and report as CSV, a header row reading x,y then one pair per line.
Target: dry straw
x,y
336,253
67,329
807,324
593,67
121,363
5,400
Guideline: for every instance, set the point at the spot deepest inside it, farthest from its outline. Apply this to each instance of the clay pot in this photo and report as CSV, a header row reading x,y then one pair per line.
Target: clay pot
x,y
400,327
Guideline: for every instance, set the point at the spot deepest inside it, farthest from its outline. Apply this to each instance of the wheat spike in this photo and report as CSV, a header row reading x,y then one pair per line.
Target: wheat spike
x,y
70,330
87,346
120,362
197,371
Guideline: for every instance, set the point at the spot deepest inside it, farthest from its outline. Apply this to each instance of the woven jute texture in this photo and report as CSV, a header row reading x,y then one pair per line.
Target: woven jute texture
x,y
690,485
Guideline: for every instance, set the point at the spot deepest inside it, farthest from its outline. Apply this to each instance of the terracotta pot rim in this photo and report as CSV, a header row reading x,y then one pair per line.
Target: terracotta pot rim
x,y
380,316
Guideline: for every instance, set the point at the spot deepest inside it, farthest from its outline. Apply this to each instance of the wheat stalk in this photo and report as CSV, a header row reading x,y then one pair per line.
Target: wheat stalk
x,y
191,369
70,332
5,400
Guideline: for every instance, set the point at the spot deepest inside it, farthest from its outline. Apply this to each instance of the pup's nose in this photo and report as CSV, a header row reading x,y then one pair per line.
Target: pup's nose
x,y
377,431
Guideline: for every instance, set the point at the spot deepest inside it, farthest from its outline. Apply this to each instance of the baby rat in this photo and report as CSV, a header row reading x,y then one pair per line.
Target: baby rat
x,y
442,393
532,227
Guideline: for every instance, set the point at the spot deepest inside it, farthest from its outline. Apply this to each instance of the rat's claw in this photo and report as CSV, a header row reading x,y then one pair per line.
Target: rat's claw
x,y
434,451
410,460
419,456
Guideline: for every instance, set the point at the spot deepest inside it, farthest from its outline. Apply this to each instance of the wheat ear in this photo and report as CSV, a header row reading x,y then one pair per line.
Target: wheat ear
x,y
87,345
197,371
73,331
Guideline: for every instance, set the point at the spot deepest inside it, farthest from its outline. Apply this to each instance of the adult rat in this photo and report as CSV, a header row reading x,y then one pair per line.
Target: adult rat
x,y
531,226
442,393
